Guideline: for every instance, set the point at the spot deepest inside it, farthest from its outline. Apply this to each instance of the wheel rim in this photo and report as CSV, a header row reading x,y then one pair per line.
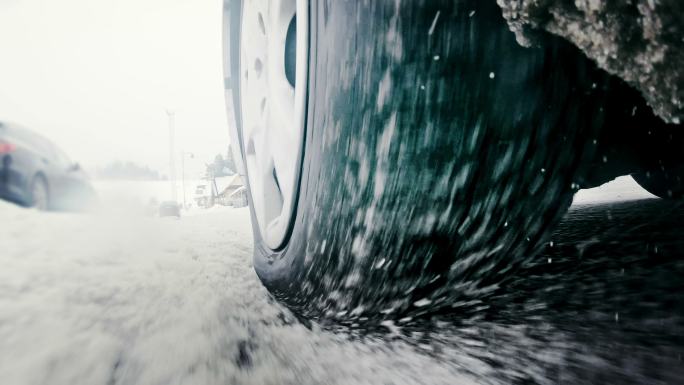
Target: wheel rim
x,y
273,66
39,195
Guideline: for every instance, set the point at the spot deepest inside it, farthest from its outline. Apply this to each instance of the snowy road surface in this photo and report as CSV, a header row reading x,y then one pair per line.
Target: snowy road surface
x,y
108,299
112,298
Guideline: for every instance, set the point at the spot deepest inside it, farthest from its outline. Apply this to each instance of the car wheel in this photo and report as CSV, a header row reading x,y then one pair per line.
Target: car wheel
x,y
663,183
40,195
403,157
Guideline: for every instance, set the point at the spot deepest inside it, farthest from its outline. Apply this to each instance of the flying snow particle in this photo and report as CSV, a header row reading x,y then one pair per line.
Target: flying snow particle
x,y
434,23
422,302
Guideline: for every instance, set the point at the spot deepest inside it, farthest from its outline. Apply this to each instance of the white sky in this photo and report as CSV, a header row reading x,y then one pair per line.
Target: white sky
x,y
96,76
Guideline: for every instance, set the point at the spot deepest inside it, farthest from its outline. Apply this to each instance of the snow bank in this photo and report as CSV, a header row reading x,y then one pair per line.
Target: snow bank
x,y
117,299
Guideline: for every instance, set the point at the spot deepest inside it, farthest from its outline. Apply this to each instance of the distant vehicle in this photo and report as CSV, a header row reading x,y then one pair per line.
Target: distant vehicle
x,y
169,209
34,172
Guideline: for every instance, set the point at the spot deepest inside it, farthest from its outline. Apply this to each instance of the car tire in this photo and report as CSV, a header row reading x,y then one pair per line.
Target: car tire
x,y
40,193
663,183
438,154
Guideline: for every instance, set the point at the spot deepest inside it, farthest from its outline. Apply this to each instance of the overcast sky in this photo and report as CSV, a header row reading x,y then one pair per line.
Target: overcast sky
x,y
96,76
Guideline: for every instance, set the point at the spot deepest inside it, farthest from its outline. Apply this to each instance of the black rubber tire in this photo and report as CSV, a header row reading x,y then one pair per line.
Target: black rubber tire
x,y
661,164
438,155
39,181
666,184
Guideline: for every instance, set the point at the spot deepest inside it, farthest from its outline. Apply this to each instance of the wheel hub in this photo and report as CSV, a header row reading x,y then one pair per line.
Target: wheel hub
x,y
39,196
273,65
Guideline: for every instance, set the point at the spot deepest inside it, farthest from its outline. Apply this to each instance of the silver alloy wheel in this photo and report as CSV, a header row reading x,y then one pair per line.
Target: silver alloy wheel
x,y
273,84
39,195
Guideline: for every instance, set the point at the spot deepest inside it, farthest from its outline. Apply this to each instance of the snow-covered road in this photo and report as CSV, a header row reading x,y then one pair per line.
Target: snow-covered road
x,y
118,299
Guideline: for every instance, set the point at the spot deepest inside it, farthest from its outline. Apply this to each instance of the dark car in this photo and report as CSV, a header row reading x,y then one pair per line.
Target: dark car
x,y
169,209
34,172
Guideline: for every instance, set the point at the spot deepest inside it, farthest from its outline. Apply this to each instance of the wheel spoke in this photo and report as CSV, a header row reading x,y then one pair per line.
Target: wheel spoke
x,y
272,114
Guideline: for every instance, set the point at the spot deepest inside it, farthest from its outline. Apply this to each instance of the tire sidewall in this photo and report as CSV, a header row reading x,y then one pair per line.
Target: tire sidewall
x,y
292,273
39,180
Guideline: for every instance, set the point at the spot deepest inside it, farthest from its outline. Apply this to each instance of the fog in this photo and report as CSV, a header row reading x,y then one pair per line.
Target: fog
x,y
97,75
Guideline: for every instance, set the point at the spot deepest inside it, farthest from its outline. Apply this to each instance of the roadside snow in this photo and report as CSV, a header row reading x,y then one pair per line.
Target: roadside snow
x,y
115,297
112,298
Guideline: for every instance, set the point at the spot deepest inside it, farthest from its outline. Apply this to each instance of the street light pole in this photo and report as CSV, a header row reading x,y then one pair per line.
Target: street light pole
x,y
185,205
183,154
172,117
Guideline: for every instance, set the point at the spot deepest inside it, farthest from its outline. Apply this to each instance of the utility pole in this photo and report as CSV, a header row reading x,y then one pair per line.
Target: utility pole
x,y
183,177
183,153
172,177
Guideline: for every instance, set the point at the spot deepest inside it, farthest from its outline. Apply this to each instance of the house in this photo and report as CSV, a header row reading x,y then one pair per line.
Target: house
x,y
238,198
231,190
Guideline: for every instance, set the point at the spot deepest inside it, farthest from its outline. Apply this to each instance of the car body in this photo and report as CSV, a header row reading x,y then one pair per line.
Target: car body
x,y
169,209
29,159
